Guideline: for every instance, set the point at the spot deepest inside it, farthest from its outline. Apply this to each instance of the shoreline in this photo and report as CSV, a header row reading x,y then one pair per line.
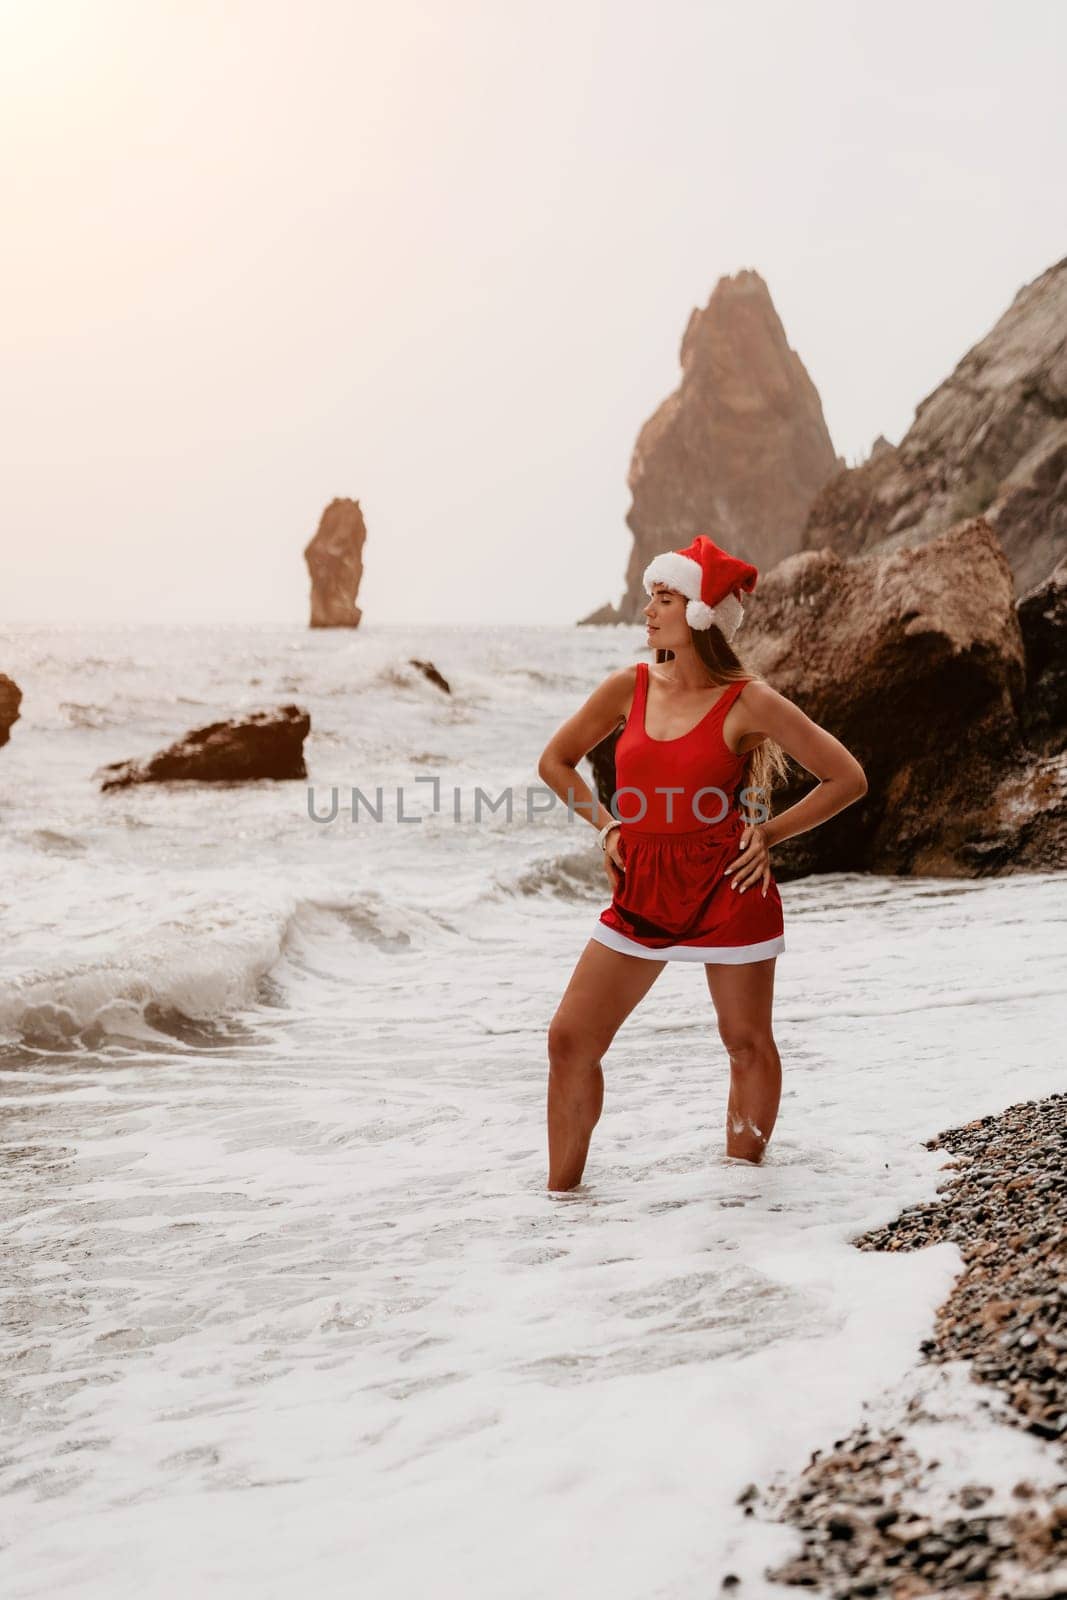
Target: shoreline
x,y
903,1505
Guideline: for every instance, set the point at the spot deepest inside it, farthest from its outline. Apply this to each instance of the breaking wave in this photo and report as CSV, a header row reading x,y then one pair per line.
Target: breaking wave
x,y
201,982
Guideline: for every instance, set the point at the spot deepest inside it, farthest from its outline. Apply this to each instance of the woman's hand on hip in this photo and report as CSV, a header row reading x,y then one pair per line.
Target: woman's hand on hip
x,y
753,865
614,860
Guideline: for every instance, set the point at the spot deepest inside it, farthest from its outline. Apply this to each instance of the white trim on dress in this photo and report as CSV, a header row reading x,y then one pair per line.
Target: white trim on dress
x,y
731,953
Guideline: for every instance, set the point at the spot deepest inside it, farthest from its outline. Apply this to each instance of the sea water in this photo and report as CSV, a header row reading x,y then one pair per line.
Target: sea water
x,y
287,1306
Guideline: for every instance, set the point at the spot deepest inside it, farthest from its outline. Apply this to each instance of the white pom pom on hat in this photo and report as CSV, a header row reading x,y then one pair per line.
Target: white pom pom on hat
x,y
710,579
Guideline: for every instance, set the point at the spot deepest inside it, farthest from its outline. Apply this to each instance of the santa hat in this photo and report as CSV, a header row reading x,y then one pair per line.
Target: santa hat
x,y
710,579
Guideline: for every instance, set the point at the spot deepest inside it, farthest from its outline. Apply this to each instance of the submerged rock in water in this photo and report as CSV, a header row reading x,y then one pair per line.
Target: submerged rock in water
x,y
428,670
10,700
265,744
335,562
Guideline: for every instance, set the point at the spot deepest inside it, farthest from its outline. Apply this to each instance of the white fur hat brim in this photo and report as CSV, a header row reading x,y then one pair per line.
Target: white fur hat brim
x,y
676,571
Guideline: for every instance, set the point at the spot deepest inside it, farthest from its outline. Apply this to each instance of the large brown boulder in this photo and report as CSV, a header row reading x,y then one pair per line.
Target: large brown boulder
x,y
915,661
265,744
335,562
992,439
738,451
10,700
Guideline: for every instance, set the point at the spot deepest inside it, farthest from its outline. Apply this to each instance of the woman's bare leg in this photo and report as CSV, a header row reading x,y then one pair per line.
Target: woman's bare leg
x,y
604,988
743,996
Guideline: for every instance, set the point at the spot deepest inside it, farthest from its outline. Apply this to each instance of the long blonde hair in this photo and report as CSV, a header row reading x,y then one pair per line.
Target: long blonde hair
x,y
767,766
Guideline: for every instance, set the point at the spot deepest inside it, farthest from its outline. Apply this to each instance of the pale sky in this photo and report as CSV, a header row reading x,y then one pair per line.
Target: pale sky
x,y
439,257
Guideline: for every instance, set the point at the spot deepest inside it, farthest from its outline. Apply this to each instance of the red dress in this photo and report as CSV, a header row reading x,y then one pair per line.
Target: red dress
x,y
674,902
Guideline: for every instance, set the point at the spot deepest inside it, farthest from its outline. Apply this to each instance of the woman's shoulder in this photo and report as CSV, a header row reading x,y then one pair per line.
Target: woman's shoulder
x,y
619,688
624,677
616,691
757,689
757,698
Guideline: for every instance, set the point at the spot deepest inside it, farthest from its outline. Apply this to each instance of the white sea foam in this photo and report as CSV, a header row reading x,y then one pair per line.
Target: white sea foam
x,y
287,1305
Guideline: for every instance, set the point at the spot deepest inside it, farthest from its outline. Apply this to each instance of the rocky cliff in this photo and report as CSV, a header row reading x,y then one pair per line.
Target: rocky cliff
x,y
738,451
335,562
992,439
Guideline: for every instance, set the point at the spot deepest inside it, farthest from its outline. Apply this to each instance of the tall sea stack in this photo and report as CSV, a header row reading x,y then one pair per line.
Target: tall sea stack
x,y
738,451
335,562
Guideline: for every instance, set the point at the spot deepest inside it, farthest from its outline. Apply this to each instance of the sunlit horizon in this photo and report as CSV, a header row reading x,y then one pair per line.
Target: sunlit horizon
x,y
440,260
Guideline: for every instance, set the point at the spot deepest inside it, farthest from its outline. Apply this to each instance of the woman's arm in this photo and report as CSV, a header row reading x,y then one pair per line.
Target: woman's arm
x,y
842,780
558,766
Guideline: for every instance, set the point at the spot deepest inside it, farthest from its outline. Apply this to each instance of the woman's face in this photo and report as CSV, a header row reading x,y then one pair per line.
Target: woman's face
x,y
667,628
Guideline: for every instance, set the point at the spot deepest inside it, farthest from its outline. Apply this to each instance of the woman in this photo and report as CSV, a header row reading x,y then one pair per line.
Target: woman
x,y
690,872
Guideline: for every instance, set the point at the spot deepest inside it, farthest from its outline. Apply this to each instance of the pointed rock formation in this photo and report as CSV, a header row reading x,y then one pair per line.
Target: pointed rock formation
x,y
991,440
738,452
10,700
335,562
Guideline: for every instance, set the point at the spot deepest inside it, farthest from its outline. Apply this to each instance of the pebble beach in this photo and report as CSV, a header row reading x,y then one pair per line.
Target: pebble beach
x,y
873,1513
